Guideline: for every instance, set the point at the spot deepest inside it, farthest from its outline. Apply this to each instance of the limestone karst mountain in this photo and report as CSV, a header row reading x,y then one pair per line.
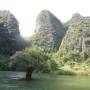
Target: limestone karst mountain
x,y
49,31
76,43
10,38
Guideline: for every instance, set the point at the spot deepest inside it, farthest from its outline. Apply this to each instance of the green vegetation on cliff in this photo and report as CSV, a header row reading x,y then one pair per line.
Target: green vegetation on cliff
x,y
49,31
76,43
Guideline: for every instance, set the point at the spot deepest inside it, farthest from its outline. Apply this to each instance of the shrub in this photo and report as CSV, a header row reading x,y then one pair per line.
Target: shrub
x,y
4,61
65,72
52,65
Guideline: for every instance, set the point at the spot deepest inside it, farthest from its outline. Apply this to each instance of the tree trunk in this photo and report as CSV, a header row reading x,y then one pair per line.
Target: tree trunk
x,y
29,73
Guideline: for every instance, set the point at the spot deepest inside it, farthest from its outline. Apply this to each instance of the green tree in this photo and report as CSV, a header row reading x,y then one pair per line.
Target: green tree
x,y
29,59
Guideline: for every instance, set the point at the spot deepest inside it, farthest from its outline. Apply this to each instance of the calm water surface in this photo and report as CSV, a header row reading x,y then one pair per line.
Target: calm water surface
x,y
10,81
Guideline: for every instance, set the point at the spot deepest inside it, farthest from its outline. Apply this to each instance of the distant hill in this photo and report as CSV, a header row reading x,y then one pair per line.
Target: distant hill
x,y
76,43
10,38
49,31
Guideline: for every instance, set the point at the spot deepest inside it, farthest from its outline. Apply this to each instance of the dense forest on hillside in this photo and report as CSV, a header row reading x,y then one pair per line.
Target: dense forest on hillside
x,y
56,47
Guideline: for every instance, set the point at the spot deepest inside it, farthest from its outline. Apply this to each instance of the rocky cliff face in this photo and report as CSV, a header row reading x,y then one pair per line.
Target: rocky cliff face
x,y
10,38
76,43
49,31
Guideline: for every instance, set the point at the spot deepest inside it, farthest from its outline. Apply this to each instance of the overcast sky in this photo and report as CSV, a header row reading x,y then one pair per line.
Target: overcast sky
x,y
26,11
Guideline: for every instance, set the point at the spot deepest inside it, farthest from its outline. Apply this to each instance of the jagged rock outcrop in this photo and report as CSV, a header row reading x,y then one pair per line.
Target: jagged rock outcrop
x,y
49,31
76,43
10,38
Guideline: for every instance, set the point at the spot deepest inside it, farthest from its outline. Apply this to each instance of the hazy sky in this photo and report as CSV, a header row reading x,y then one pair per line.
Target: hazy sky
x,y
26,11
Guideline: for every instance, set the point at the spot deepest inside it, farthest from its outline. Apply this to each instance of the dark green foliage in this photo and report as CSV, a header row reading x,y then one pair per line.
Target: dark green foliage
x,y
52,65
4,61
30,57
65,72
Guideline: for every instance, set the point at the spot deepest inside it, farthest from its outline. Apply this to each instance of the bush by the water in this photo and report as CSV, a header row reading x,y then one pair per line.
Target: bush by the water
x,y
4,61
65,72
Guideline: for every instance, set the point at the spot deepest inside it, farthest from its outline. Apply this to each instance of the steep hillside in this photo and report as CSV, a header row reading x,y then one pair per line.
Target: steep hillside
x,y
76,43
10,38
49,31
